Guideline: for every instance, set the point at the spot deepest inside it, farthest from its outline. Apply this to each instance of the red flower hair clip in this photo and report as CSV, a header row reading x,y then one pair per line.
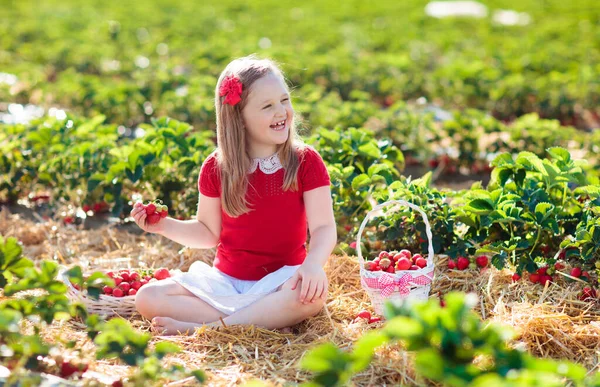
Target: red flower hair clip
x,y
232,88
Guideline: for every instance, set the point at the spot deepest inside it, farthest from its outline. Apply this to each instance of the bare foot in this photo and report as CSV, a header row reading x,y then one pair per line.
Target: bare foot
x,y
167,326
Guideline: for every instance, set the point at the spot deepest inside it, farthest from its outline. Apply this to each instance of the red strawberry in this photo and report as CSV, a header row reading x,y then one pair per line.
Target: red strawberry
x,y
542,270
118,280
391,269
161,274
403,264
414,267
451,264
406,253
416,256
153,218
371,266
125,287
118,292
348,227
462,263
421,262
385,263
110,274
482,261
67,369
68,220
117,383
516,277
150,209
125,276
384,254
132,292
107,290
559,265
374,320
534,277
353,245
587,293
86,208
576,272
134,276
545,279
364,314
136,285
585,276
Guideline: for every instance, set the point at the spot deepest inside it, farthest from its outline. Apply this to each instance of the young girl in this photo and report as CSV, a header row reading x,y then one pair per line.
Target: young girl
x,y
259,190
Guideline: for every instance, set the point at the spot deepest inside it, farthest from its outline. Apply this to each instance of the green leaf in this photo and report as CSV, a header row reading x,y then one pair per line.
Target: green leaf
x,y
592,191
542,211
480,206
164,347
10,252
560,154
361,181
370,150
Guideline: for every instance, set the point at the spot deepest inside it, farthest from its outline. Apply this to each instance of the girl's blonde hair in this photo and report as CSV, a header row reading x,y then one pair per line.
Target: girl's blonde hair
x,y
233,164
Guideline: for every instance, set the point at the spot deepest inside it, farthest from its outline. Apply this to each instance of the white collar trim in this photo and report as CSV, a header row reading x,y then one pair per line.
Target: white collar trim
x,y
268,165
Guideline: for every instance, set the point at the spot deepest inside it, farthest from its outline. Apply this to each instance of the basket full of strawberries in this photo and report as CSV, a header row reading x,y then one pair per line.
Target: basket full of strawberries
x,y
118,299
396,275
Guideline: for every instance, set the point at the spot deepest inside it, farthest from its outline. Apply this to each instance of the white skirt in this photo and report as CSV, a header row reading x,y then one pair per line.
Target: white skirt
x,y
226,293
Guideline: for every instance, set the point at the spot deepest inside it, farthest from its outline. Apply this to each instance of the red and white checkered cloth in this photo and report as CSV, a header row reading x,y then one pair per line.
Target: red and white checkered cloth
x,y
387,283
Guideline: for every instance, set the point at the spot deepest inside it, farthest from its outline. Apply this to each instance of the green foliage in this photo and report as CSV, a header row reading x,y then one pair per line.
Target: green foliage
x,y
451,346
527,208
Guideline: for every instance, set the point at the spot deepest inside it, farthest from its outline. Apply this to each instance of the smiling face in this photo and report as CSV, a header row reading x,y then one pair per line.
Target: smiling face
x,y
268,105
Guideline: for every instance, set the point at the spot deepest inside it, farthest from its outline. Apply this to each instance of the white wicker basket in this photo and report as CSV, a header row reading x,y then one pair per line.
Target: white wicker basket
x,y
105,306
382,286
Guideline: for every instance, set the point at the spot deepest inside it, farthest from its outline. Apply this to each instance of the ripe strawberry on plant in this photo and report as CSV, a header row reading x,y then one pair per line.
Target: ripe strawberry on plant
x,y
534,277
451,264
586,276
482,261
516,277
462,263
576,272
587,293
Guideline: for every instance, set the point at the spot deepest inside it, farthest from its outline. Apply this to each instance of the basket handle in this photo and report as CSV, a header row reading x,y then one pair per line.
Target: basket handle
x,y
372,214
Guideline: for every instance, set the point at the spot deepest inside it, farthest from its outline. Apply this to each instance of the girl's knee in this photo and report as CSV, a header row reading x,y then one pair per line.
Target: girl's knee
x,y
147,298
311,308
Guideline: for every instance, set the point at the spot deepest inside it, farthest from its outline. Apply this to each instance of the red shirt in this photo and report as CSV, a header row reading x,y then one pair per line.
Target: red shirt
x,y
273,234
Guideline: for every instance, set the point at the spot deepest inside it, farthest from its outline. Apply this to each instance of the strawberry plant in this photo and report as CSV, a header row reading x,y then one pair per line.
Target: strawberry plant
x,y
406,229
117,339
358,165
447,342
527,207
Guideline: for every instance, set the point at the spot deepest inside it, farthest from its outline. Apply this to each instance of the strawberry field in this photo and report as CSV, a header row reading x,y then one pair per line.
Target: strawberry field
x,y
488,122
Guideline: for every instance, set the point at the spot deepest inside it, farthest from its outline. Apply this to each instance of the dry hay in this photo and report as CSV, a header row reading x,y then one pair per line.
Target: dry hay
x,y
549,322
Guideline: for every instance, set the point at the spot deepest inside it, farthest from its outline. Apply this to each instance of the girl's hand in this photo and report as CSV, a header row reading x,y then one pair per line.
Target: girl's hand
x,y
314,282
138,213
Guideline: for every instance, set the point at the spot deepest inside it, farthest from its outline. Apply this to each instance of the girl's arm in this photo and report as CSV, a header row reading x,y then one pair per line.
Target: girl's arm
x,y
200,233
321,224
